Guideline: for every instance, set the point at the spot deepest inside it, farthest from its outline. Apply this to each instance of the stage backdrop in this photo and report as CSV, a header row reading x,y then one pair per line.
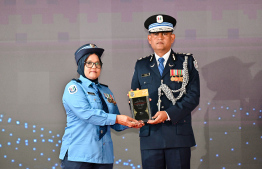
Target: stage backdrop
x,y
38,39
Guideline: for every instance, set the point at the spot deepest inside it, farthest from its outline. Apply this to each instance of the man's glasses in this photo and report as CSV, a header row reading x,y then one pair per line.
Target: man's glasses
x,y
90,64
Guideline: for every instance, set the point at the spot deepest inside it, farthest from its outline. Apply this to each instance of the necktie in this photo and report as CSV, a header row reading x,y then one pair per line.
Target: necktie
x,y
102,129
161,65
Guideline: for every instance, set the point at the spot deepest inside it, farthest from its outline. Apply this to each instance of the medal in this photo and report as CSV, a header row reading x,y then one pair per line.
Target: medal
x,y
110,98
183,76
176,75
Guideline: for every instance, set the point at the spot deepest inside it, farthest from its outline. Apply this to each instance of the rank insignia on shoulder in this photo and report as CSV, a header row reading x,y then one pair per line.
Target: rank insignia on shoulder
x,y
72,89
103,84
77,80
110,98
176,75
143,57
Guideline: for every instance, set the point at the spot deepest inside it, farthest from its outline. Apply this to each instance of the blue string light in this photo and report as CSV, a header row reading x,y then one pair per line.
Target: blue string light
x,y
27,141
117,162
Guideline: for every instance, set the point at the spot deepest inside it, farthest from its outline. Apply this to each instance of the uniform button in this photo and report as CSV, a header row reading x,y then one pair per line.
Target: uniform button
x,y
162,94
101,131
162,107
144,82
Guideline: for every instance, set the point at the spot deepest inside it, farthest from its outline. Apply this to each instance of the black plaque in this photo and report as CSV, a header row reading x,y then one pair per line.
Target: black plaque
x,y
140,106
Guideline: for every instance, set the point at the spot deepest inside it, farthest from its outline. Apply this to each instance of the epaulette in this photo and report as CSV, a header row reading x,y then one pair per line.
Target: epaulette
x,y
188,54
103,84
194,60
77,80
145,57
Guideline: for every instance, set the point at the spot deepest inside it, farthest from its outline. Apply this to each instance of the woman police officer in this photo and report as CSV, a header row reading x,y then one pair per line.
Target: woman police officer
x,y
91,112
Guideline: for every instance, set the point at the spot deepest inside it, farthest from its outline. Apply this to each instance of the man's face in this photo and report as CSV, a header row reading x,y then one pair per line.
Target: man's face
x,y
161,41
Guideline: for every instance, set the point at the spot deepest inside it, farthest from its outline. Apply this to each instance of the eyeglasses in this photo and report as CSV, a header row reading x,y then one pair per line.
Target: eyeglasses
x,y
98,65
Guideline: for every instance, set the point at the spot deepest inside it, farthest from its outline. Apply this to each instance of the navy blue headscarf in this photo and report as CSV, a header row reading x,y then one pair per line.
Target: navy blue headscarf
x,y
81,66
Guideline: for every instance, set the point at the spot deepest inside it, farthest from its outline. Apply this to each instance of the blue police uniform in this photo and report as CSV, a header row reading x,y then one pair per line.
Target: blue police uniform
x,y
85,115
178,131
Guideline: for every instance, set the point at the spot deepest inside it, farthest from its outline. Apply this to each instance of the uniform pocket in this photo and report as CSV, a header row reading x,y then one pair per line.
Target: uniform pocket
x,y
184,129
145,81
95,102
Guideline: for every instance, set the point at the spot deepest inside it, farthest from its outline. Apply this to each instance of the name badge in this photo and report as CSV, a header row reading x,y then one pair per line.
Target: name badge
x,y
91,93
145,75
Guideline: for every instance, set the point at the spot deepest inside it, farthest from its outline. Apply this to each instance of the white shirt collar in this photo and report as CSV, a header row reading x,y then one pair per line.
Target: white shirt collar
x,y
166,56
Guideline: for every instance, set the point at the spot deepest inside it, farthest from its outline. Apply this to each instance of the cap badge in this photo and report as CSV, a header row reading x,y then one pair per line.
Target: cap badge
x,y
92,45
159,18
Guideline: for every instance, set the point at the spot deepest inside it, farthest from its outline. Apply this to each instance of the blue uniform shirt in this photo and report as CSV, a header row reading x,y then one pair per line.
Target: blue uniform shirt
x,y
84,116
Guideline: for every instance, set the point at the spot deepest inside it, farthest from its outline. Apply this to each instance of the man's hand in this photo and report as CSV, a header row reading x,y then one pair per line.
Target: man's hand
x,y
128,121
159,117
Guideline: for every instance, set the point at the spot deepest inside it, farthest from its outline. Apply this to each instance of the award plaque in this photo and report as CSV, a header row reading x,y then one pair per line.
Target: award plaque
x,y
140,106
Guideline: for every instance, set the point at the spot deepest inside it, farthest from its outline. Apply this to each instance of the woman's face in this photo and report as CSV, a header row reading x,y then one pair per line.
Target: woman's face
x,y
93,72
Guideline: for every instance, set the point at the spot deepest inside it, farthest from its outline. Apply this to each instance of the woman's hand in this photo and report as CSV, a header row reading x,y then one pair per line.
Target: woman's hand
x,y
128,121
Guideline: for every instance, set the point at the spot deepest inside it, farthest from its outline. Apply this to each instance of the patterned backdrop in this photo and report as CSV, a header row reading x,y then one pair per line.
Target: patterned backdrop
x,y
37,43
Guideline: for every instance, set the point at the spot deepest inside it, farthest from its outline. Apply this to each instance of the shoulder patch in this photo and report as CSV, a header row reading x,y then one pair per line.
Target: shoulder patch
x,y
72,89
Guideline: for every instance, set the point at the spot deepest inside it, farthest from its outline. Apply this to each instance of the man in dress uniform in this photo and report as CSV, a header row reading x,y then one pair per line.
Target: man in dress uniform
x,y
172,80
